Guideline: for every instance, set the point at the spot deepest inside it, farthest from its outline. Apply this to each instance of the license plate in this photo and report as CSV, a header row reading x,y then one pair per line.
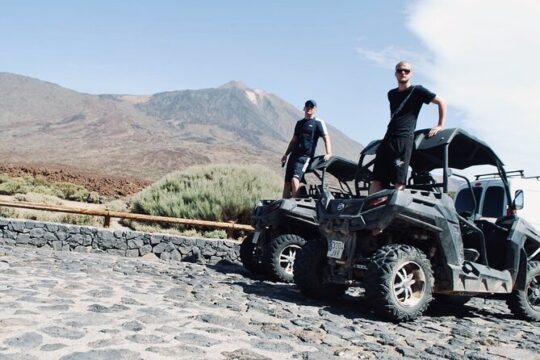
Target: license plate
x,y
256,237
336,249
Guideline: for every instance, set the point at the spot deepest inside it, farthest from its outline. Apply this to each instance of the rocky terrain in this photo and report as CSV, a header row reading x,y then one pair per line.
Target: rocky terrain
x,y
65,305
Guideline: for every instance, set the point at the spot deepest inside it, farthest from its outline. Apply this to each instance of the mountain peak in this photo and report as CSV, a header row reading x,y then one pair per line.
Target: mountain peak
x,y
234,84
187,127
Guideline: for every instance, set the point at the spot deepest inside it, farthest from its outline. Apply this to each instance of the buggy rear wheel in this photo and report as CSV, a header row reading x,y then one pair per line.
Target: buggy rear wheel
x,y
309,270
525,304
281,256
398,282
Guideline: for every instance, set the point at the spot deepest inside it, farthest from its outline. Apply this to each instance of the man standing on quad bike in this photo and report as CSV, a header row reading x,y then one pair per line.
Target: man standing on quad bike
x,y
393,156
302,148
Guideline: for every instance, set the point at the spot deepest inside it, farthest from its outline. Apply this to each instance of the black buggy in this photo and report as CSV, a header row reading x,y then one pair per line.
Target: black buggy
x,y
426,251
282,226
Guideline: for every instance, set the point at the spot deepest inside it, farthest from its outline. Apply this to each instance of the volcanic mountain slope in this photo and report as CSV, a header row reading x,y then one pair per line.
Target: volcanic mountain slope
x,y
146,136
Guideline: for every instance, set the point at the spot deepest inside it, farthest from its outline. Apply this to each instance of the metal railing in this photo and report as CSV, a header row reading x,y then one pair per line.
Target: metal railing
x,y
108,214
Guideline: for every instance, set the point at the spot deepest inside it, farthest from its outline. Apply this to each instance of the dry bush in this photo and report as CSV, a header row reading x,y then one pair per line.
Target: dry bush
x,y
215,192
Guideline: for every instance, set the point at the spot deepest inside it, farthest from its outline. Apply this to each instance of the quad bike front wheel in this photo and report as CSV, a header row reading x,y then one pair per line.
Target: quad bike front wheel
x,y
398,282
525,304
282,251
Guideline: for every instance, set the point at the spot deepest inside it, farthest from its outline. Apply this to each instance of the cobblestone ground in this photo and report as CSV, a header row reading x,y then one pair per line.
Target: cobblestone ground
x,y
62,305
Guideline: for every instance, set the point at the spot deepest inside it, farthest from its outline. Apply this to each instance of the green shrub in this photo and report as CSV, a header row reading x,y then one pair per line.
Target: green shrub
x,y
11,186
37,181
47,190
72,191
63,190
48,216
215,234
216,192
7,212
75,219
37,197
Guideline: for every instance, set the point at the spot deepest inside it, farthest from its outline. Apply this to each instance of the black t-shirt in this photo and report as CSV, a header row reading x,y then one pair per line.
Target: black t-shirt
x,y
308,132
403,123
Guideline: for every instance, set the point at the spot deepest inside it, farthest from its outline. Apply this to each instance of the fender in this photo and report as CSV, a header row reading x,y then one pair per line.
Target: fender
x,y
521,279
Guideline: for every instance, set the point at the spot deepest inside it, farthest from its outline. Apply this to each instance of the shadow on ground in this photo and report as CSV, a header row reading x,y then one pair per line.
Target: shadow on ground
x,y
352,305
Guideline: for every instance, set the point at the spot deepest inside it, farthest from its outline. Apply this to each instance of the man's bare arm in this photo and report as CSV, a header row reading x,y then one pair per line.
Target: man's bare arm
x,y
328,146
290,148
441,103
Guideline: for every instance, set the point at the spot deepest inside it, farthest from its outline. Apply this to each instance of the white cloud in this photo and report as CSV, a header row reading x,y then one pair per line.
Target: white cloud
x,y
389,56
486,63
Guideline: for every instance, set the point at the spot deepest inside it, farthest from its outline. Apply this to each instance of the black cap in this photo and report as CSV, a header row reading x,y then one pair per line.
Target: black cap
x,y
311,103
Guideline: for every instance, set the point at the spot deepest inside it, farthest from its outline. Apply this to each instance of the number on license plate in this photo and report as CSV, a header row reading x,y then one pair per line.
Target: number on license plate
x,y
336,249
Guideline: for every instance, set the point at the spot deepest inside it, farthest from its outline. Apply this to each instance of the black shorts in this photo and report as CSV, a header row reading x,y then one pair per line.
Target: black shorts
x,y
392,160
296,167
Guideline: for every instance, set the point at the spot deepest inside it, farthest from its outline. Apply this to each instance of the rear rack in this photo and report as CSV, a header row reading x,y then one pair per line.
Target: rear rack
x,y
520,173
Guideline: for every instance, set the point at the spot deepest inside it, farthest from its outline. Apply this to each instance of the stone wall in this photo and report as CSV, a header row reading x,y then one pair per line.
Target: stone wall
x,y
63,237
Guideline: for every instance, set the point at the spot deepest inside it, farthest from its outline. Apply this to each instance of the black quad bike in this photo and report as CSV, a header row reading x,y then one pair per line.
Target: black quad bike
x,y
282,226
409,247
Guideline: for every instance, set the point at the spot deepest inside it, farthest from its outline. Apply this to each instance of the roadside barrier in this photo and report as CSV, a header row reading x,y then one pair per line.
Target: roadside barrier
x,y
120,242
229,227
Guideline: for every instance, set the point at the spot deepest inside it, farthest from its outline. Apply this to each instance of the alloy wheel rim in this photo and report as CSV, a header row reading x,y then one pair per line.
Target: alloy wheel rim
x,y
409,284
286,258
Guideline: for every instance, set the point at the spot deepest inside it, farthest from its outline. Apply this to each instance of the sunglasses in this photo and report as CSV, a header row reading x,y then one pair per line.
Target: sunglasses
x,y
406,71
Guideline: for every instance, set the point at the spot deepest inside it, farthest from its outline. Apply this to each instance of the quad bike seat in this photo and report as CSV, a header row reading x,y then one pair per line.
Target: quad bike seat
x,y
474,242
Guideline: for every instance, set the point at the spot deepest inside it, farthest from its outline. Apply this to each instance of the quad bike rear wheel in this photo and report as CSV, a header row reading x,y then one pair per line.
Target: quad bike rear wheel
x,y
281,254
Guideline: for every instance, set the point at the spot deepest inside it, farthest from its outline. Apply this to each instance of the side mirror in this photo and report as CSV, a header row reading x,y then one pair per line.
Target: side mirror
x,y
517,204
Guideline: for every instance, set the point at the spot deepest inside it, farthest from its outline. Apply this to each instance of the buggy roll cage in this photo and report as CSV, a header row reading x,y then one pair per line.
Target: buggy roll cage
x,y
451,148
342,169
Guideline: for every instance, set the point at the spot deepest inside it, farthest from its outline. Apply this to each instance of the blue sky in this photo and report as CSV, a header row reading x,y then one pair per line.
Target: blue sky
x,y
341,53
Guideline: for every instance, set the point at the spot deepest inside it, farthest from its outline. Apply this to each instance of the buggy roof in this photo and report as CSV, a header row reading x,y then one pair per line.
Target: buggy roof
x,y
342,169
464,150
